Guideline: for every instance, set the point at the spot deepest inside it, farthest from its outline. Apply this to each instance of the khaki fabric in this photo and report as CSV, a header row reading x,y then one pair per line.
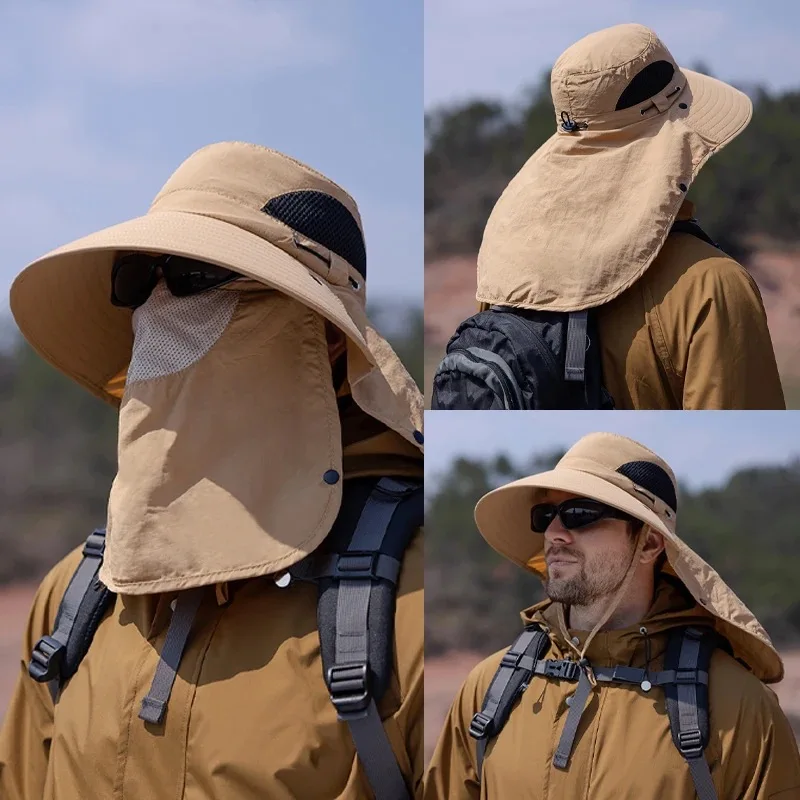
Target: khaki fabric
x,y
204,445
588,212
623,749
691,333
249,716
212,209
591,468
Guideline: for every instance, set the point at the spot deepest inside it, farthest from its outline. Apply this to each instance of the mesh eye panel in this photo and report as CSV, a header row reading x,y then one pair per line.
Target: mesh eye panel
x,y
172,333
325,220
646,83
651,477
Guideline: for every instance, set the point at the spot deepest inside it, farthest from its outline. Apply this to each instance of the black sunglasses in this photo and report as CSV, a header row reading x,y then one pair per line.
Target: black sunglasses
x,y
575,513
135,275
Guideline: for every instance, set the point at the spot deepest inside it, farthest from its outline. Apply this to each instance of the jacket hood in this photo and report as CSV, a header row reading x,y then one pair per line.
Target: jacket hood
x,y
673,607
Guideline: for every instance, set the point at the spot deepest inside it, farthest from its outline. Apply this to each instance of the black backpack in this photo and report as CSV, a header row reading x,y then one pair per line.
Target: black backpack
x,y
356,569
519,359
684,680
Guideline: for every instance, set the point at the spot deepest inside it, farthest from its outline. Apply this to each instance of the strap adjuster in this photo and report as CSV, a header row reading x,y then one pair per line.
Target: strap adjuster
x,y
511,660
566,670
686,676
46,659
95,544
690,743
480,725
356,565
347,684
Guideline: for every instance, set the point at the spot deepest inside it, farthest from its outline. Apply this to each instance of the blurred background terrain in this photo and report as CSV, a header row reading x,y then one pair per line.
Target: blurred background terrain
x,y
486,116
741,514
99,103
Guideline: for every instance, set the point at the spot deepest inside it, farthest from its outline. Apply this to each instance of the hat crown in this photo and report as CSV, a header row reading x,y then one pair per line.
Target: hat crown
x,y
589,77
272,196
630,463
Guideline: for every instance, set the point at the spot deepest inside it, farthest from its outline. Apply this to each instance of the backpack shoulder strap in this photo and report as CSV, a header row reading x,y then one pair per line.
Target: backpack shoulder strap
x,y
57,656
509,682
692,227
689,652
357,570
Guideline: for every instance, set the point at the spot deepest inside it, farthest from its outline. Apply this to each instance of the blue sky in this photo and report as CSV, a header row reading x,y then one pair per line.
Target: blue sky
x,y
702,447
496,48
101,99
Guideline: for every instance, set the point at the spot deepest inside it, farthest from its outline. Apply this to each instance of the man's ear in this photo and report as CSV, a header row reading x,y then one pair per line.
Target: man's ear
x,y
653,546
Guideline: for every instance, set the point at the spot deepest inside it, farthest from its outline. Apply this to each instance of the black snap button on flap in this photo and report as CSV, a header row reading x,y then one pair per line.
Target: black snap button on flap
x,y
682,187
331,477
418,437
682,105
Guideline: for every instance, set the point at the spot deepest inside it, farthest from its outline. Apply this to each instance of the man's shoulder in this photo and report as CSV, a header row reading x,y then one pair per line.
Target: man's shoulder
x,y
41,619
689,265
733,684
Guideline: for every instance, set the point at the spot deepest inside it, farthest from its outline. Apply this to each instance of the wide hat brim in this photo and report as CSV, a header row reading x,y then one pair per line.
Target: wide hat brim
x,y
504,515
588,213
503,519
61,303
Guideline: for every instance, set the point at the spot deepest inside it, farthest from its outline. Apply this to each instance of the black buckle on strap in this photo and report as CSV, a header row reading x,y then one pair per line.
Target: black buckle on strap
x,y
347,684
46,659
686,676
356,565
566,670
95,544
511,660
480,725
690,743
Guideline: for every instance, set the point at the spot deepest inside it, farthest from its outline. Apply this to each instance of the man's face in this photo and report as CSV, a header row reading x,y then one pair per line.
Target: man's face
x,y
586,564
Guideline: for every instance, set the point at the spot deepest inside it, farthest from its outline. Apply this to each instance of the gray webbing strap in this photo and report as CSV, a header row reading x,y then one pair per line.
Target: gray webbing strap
x,y
49,652
376,755
154,706
509,680
576,708
332,565
350,668
689,723
575,359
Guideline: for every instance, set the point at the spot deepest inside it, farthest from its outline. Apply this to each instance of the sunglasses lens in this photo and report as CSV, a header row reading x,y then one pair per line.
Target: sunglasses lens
x,y
185,276
581,513
132,280
541,517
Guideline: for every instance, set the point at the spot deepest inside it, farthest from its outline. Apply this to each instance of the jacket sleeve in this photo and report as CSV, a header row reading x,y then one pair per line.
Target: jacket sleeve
x,y
730,362
28,724
452,771
410,647
764,763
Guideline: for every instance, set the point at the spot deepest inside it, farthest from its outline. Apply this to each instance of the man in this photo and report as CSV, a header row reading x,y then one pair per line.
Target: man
x,y
585,226
266,503
633,616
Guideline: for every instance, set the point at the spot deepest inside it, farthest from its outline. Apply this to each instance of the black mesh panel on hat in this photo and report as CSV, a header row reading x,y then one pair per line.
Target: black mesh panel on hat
x,y
646,84
325,220
653,478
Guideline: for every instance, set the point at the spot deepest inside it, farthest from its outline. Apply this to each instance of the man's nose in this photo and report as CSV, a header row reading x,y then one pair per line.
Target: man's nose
x,y
556,532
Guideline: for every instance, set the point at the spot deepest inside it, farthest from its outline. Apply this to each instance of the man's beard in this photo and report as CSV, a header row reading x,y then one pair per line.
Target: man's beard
x,y
599,578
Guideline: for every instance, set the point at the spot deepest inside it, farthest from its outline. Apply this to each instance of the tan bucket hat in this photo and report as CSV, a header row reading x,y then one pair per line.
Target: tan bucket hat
x,y
239,206
625,475
589,211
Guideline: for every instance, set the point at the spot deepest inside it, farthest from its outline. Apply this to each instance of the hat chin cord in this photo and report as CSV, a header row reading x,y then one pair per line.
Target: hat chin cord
x,y
613,604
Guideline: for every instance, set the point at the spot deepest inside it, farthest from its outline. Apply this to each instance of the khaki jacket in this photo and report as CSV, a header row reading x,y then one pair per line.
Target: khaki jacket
x,y
249,716
623,749
690,333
